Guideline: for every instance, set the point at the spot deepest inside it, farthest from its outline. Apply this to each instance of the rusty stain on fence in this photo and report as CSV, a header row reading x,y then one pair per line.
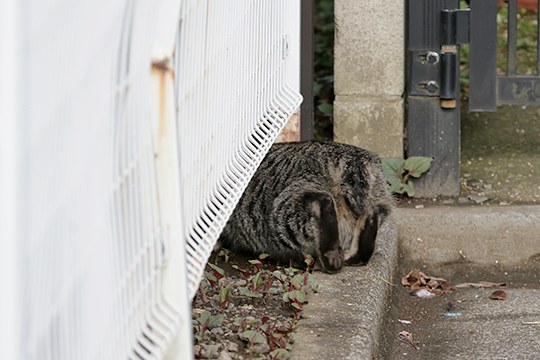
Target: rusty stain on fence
x,y
162,68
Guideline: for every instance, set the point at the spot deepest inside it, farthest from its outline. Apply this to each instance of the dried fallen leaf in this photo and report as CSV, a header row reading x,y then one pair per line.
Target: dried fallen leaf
x,y
417,280
481,284
409,337
498,295
451,307
530,322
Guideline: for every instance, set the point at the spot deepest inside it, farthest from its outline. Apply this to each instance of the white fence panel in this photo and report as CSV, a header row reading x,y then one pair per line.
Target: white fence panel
x,y
81,168
237,68
98,129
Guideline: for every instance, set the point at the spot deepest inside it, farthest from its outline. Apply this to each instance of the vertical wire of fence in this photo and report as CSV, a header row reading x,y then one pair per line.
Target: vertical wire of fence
x,y
238,72
99,207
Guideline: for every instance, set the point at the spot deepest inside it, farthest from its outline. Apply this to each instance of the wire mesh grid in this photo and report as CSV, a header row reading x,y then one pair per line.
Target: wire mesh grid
x,y
92,237
91,244
233,100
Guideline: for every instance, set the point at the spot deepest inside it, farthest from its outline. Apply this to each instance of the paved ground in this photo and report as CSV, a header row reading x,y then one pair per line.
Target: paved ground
x,y
500,154
482,329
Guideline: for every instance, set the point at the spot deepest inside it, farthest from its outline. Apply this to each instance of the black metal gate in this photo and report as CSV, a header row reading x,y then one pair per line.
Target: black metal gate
x,y
433,91
487,88
436,28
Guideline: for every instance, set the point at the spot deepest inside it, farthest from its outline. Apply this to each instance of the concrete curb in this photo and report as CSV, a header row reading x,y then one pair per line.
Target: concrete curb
x,y
343,321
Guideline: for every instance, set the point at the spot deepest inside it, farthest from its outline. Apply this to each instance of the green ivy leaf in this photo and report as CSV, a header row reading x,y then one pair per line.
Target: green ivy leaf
x,y
253,337
309,260
397,188
326,108
219,272
210,277
297,281
246,292
279,275
393,172
225,294
204,317
280,354
290,271
297,296
285,297
257,280
215,320
408,188
417,165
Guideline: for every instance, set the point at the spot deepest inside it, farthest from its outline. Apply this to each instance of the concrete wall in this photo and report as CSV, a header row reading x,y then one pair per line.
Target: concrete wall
x,y
369,74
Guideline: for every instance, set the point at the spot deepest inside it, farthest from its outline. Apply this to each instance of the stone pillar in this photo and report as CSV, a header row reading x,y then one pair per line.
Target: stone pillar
x,y
369,74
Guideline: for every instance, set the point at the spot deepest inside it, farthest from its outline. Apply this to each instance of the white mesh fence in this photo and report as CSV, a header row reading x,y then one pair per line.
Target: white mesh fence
x,y
237,70
98,132
86,240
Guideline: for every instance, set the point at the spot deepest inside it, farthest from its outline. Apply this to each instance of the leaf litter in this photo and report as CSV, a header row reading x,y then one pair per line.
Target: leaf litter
x,y
426,286
498,295
530,322
423,285
405,335
417,281
249,309
481,284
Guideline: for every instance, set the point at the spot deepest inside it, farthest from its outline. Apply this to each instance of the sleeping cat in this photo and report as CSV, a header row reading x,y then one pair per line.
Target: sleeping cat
x,y
319,198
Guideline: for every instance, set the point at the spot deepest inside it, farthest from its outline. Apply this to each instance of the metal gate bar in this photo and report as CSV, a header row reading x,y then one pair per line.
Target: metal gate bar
x,y
487,90
483,56
306,71
512,38
538,38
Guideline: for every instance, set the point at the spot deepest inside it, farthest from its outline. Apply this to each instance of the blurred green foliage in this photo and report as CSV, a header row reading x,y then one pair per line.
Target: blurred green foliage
x,y
323,73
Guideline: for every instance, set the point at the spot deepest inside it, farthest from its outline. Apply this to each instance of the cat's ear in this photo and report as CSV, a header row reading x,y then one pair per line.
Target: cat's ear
x,y
366,243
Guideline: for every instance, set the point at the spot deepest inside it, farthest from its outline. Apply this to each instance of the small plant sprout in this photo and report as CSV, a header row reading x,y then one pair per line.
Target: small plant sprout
x,y
227,306
398,172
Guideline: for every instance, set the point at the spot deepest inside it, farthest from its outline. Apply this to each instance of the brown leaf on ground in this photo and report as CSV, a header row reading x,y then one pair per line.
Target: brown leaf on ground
x,y
481,284
498,295
530,322
405,335
417,280
451,307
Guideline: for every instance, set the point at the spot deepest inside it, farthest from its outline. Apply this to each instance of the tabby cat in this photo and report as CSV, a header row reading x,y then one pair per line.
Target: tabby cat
x,y
319,198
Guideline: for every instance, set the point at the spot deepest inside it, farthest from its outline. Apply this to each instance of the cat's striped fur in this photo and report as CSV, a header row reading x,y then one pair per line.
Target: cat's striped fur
x,y
319,198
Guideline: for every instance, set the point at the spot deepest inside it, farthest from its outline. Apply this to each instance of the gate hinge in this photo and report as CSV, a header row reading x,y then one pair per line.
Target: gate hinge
x,y
435,72
455,26
454,31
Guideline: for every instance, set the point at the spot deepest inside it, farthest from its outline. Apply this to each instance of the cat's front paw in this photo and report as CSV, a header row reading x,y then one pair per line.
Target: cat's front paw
x,y
333,260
